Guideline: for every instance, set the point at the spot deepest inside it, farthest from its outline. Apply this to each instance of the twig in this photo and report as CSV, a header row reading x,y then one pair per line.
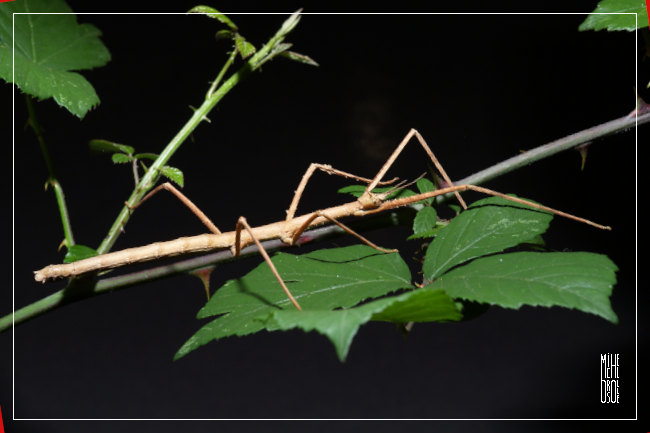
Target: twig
x,y
107,285
549,149
59,298
368,203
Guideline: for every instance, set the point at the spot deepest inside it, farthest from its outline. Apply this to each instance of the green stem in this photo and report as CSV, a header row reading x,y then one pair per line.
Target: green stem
x,y
62,297
151,176
52,180
215,83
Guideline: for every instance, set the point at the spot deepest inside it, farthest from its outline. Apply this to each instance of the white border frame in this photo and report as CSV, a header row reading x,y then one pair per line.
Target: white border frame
x,y
325,419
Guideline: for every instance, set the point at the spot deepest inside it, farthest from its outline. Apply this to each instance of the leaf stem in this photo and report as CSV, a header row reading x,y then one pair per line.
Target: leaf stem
x,y
226,66
52,179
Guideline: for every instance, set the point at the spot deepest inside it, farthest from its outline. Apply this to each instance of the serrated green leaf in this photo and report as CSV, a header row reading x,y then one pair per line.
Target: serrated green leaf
x,y
48,47
456,208
320,280
290,23
280,48
427,233
173,174
357,190
297,57
340,326
147,155
224,34
425,220
489,226
425,185
213,13
121,158
245,48
421,305
100,145
79,252
617,15
577,280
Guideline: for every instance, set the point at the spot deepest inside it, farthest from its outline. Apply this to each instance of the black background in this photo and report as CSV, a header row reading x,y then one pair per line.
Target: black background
x,y
480,88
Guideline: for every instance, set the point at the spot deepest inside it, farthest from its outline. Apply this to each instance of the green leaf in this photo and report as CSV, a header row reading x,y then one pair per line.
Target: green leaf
x,y
173,174
151,156
456,208
357,190
297,57
121,158
213,13
320,280
421,305
425,220
47,49
617,15
224,34
427,233
79,252
577,280
489,226
290,23
425,185
340,326
245,48
99,145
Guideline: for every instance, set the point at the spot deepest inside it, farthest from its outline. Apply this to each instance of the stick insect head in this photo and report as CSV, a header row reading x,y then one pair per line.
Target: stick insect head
x,y
371,200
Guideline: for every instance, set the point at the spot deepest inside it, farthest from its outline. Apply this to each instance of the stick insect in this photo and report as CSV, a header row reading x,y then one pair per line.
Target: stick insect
x,y
290,229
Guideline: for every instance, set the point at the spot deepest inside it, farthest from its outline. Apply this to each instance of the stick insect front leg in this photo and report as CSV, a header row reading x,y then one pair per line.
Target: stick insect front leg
x,y
186,201
241,224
